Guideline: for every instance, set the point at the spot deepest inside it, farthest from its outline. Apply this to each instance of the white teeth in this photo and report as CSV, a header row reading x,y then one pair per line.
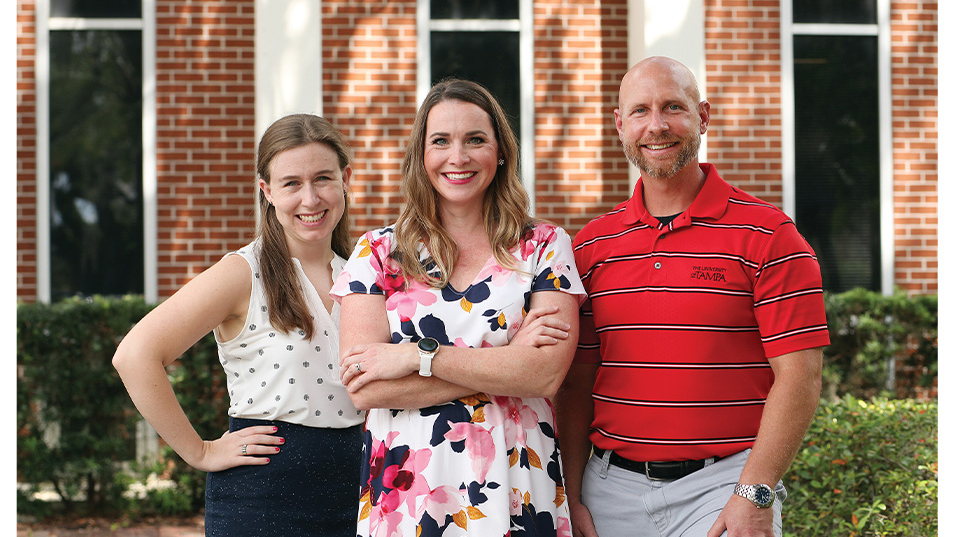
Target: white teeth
x,y
312,218
663,146
459,176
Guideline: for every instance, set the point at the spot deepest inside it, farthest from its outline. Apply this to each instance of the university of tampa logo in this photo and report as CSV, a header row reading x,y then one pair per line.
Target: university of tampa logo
x,y
712,274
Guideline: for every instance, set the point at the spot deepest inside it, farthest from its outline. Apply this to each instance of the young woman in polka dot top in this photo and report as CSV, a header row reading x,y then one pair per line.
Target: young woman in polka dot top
x,y
289,464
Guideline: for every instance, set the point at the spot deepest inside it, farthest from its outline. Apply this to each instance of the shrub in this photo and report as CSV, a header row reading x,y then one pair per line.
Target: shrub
x,y
75,421
73,415
866,469
881,345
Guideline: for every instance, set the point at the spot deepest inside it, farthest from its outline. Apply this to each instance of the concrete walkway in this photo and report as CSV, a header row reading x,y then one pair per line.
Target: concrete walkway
x,y
181,528
145,531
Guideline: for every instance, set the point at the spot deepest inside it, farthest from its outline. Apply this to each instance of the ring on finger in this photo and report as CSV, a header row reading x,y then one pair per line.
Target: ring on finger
x,y
357,366
244,449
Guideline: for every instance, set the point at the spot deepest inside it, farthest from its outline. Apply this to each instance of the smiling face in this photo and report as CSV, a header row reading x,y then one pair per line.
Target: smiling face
x,y
460,152
660,119
306,186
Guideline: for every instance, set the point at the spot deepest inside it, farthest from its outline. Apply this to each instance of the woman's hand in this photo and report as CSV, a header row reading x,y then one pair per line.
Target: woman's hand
x,y
541,327
244,447
362,364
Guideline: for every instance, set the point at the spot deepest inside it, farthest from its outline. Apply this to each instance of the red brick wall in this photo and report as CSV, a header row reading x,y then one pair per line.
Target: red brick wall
x,y
370,80
26,151
743,85
370,75
205,134
580,54
205,97
914,80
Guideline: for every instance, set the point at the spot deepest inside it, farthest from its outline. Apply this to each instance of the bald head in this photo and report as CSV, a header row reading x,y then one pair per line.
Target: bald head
x,y
661,68
660,118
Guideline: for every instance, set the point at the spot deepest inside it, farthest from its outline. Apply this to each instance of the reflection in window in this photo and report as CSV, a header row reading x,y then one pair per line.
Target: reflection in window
x,y
96,223
469,9
837,172
96,9
835,11
490,58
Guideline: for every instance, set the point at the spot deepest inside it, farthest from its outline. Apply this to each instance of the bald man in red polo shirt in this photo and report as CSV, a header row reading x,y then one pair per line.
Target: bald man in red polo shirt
x,y
699,362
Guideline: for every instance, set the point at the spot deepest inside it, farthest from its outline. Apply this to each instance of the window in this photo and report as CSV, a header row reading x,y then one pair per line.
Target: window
x,y
92,137
839,120
488,42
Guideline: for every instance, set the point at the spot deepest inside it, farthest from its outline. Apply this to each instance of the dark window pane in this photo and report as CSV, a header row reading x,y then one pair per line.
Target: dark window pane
x,y
96,208
469,9
490,58
97,9
836,157
835,11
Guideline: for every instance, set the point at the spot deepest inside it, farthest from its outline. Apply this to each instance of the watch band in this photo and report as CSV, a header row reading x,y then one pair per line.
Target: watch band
x,y
760,494
427,348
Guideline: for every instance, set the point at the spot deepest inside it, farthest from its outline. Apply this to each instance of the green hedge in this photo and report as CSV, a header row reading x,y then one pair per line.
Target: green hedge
x,y
74,417
867,468
75,420
868,332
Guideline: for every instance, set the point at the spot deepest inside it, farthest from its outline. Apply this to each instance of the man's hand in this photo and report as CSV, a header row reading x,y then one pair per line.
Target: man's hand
x,y
582,521
740,518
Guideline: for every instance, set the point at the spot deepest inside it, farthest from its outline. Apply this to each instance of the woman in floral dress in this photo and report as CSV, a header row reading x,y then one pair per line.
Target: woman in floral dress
x,y
470,449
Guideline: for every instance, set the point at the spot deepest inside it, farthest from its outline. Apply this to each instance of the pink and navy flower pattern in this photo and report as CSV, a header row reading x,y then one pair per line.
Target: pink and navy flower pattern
x,y
484,465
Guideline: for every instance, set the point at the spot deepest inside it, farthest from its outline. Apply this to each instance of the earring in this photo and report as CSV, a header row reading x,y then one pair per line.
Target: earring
x,y
500,162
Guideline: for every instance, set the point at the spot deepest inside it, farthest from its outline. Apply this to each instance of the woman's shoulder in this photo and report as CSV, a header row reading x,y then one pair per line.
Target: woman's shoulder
x,y
542,232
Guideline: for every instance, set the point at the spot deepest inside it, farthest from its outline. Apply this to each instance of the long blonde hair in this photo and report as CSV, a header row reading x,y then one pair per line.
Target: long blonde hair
x,y
287,307
505,204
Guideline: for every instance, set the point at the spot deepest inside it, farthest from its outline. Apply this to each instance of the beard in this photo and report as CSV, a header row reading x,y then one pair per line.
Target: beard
x,y
689,151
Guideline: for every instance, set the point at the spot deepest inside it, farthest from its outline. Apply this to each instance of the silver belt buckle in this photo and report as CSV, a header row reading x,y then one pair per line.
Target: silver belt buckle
x,y
648,476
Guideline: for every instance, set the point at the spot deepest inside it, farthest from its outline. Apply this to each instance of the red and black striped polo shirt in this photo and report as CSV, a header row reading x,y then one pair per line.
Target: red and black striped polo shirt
x,y
682,319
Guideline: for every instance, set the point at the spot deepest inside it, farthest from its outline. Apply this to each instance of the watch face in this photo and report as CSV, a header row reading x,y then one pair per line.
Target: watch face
x,y
427,344
763,495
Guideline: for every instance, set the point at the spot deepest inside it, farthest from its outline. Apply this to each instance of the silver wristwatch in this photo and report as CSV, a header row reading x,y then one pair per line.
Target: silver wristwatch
x,y
427,348
761,495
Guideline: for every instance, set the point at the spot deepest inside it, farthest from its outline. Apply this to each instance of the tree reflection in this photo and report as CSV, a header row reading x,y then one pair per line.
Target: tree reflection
x,y
96,207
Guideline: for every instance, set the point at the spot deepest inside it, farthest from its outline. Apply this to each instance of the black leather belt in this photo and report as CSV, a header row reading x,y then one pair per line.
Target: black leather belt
x,y
666,470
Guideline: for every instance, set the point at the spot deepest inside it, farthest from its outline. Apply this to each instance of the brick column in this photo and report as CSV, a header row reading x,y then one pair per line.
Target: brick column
x,y
205,134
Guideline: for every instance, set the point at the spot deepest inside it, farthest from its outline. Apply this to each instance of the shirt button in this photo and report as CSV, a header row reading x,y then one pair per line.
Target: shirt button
x,y
663,236
657,264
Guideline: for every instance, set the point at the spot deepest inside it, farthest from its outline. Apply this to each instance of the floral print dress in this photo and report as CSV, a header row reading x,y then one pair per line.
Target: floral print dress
x,y
484,465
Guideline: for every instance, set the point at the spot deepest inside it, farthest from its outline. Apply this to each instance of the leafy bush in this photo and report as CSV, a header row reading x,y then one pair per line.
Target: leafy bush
x,y
870,334
75,421
73,415
866,469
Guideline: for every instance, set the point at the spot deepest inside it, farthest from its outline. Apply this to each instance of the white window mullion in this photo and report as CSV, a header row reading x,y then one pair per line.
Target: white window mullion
x,y
423,49
72,23
886,147
788,111
149,160
527,106
42,67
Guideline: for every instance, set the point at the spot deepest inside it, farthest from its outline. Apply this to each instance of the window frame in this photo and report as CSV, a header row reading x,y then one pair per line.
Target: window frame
x,y
882,30
522,26
147,26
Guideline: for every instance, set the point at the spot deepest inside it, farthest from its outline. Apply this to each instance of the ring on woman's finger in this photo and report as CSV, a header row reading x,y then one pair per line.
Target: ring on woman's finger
x,y
357,366
244,449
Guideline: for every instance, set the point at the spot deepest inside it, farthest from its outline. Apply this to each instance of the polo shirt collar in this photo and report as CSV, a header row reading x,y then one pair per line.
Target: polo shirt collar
x,y
711,202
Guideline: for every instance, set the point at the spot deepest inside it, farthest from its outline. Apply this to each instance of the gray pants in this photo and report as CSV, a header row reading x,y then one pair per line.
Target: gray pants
x,y
626,503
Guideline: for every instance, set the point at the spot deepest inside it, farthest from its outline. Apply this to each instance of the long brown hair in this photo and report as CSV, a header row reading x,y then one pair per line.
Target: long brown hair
x,y
287,306
505,207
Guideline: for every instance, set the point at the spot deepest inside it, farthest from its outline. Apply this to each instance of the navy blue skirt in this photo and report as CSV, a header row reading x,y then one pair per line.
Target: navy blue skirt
x,y
309,488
